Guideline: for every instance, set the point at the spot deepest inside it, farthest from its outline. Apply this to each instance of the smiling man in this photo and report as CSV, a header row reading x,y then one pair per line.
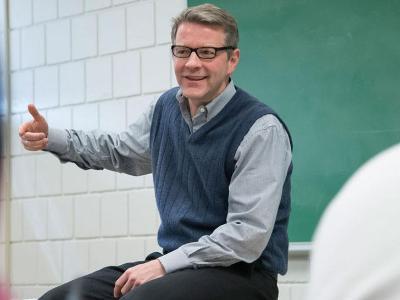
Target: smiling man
x,y
221,163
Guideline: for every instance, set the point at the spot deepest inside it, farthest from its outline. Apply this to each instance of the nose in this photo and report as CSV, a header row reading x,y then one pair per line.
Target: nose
x,y
193,60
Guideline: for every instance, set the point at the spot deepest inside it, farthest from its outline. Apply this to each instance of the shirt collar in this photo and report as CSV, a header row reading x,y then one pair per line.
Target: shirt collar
x,y
214,106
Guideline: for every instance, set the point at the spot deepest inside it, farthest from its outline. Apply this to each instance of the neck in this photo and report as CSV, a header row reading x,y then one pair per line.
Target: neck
x,y
194,105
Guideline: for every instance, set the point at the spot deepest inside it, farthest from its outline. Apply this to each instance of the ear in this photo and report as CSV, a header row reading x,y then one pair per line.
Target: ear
x,y
233,61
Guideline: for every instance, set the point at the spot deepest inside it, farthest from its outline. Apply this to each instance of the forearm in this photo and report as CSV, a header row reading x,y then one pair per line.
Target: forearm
x,y
99,150
223,247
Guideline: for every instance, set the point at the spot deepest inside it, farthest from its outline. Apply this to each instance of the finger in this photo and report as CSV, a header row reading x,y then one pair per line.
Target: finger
x,y
119,284
35,145
33,136
23,128
34,112
117,291
127,287
136,284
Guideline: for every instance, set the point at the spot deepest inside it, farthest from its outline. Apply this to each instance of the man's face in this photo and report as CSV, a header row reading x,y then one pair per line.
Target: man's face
x,y
201,80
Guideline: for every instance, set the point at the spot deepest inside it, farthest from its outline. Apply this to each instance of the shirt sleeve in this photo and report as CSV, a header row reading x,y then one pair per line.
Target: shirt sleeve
x,y
126,152
262,161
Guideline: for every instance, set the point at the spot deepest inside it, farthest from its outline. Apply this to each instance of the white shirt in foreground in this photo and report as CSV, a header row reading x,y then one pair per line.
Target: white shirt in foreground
x,y
356,249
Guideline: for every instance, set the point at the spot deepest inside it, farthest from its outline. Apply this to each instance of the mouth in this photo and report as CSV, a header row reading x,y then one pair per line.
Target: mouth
x,y
195,78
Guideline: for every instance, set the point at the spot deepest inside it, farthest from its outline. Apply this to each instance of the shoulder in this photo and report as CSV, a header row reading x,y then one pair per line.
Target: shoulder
x,y
166,101
268,128
252,104
268,121
168,96
264,117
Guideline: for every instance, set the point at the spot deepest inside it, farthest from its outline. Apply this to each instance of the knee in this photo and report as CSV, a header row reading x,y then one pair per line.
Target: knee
x,y
69,290
156,291
59,292
143,292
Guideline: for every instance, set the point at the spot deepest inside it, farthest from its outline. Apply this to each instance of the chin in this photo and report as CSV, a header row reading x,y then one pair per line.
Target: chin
x,y
192,94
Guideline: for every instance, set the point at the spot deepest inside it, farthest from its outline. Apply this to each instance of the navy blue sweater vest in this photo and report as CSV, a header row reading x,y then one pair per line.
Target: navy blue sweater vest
x,y
192,173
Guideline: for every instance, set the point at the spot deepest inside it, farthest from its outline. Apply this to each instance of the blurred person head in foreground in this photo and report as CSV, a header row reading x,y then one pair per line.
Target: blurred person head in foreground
x,y
356,248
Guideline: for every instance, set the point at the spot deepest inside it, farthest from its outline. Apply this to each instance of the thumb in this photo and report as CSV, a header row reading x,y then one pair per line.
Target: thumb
x,y
34,112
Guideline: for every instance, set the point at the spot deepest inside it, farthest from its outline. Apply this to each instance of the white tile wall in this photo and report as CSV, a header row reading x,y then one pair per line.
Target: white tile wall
x,y
296,273
59,117
32,46
102,253
112,31
84,36
60,218
140,15
85,117
21,90
24,263
15,47
138,106
46,87
29,292
108,111
87,216
126,74
96,4
151,245
284,292
116,2
2,224
98,78
148,181
74,179
165,11
76,259
49,263
130,250
114,215
298,291
48,175
44,10
125,181
58,41
2,260
16,220
34,219
101,181
87,64
15,144
143,218
72,83
23,181
70,7
156,69
20,13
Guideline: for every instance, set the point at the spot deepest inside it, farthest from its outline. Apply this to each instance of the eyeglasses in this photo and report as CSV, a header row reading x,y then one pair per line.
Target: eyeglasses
x,y
202,52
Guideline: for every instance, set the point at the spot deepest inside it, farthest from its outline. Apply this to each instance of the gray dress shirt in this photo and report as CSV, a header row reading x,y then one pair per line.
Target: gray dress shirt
x,y
262,160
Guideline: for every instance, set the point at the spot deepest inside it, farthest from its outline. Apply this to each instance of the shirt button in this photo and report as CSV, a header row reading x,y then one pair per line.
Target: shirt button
x,y
202,109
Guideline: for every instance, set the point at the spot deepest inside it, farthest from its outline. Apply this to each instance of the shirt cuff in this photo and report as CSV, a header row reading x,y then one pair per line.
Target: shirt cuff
x,y
57,141
175,260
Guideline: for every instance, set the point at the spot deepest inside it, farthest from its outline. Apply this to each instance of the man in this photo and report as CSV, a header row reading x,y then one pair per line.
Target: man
x,y
221,163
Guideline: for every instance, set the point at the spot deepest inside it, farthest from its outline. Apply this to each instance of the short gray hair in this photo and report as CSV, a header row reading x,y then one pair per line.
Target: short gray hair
x,y
209,14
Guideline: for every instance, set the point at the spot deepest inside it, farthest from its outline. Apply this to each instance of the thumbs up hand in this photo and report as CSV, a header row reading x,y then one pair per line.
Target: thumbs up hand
x,y
34,133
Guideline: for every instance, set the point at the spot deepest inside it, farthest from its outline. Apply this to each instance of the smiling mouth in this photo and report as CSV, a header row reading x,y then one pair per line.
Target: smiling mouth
x,y
195,78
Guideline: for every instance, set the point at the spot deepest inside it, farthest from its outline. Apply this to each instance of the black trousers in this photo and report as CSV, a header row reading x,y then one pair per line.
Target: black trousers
x,y
240,281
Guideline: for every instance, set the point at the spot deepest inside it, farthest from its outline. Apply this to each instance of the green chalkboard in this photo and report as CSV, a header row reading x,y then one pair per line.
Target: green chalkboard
x,y
331,69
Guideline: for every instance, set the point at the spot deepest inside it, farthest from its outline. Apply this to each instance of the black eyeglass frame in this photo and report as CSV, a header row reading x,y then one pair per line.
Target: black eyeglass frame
x,y
216,49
